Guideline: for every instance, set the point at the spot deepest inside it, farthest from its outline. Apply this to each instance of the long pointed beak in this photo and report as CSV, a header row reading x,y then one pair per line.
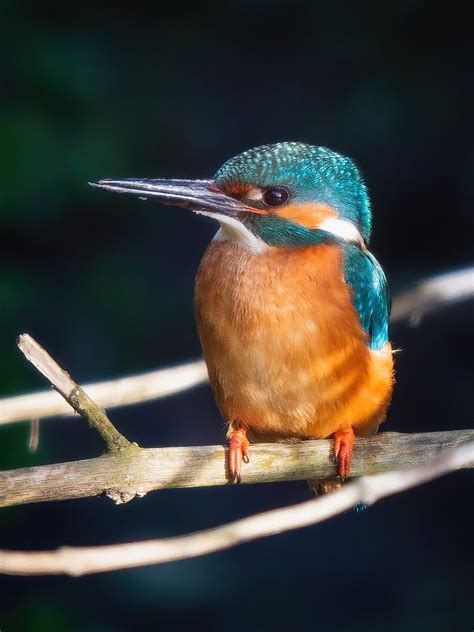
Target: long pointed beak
x,y
201,196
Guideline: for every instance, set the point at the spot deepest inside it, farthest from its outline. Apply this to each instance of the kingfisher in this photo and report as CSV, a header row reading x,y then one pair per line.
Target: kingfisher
x,y
291,308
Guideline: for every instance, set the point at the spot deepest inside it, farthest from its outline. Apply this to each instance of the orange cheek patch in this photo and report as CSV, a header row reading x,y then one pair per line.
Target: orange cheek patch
x,y
308,215
236,189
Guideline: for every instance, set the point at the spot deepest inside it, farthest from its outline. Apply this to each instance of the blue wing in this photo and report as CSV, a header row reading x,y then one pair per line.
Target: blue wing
x,y
370,295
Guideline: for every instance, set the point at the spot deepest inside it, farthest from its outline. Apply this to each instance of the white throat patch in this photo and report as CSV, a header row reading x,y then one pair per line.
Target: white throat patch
x,y
233,230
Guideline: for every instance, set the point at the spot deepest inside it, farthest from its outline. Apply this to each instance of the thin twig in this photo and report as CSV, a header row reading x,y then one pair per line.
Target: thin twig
x,y
72,393
424,298
33,440
124,475
98,559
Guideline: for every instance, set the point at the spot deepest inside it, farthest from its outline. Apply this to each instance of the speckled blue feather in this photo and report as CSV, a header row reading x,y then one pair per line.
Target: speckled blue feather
x,y
370,295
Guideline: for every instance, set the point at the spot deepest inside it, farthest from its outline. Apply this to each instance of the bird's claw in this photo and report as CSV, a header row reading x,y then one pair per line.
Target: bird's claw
x,y
343,445
238,446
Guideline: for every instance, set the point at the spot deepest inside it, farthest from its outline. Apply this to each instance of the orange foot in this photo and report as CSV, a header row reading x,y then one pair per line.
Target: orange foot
x,y
343,444
238,447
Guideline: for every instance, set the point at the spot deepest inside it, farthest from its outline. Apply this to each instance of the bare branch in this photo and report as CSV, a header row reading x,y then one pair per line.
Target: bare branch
x,y
427,296
432,294
368,489
72,393
123,391
124,475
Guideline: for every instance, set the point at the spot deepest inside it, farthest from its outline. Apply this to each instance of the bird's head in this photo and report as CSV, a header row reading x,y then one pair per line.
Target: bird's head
x,y
286,194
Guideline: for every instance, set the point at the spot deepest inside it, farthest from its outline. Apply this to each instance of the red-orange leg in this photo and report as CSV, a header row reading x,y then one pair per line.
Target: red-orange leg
x,y
343,445
238,447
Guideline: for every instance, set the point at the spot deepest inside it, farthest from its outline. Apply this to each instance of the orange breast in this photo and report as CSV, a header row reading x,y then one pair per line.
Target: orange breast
x,y
284,348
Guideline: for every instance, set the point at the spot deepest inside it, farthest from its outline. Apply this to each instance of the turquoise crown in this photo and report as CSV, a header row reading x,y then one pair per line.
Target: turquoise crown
x,y
310,173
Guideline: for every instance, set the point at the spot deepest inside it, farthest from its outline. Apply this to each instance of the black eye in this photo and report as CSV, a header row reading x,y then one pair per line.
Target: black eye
x,y
275,196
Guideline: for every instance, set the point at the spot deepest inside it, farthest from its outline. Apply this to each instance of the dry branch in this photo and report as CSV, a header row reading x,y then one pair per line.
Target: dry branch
x,y
74,395
368,489
124,475
425,297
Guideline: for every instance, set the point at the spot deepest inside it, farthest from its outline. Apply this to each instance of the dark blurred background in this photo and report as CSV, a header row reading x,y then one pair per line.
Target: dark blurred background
x,y
106,285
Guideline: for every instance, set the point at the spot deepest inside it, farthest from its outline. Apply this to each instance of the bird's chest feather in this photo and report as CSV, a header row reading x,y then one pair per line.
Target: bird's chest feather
x,y
280,337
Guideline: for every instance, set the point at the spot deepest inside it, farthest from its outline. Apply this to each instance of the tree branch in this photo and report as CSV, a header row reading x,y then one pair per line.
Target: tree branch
x,y
124,475
430,295
124,391
425,297
87,560
74,395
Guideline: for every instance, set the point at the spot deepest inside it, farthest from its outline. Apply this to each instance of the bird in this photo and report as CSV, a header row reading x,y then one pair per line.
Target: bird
x,y
291,307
